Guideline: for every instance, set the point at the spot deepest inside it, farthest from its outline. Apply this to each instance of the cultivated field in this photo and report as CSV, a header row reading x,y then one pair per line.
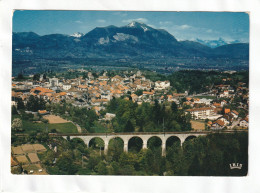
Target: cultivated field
x,y
197,125
55,119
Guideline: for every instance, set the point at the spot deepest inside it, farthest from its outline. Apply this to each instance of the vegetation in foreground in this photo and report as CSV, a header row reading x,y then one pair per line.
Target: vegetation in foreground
x,y
203,156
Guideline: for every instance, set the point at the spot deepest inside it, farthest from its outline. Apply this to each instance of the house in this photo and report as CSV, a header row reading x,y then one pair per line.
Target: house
x,y
14,103
109,116
170,98
106,95
54,81
66,86
146,93
134,97
41,91
216,105
235,114
227,119
224,94
217,125
98,102
222,103
20,86
202,101
43,112
97,109
103,78
116,78
244,122
161,85
226,111
90,76
83,87
117,93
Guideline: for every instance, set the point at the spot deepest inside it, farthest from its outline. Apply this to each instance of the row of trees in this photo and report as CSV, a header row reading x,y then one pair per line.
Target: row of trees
x,y
34,103
131,117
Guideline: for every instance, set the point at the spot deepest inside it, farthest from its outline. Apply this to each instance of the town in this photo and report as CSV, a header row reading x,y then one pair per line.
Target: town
x,y
114,102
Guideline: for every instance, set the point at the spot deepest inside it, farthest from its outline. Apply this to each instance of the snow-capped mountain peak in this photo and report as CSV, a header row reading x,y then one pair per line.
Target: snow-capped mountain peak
x,y
135,24
77,34
132,24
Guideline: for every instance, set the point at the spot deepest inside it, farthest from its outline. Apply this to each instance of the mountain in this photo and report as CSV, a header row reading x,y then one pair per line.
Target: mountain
x,y
212,43
77,35
133,41
217,43
237,50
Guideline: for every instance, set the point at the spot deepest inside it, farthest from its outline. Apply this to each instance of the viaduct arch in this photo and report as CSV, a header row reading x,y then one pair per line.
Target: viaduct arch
x,y
106,137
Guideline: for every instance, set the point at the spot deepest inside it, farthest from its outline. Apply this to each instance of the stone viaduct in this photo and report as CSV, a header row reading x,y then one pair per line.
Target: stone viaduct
x,y
106,137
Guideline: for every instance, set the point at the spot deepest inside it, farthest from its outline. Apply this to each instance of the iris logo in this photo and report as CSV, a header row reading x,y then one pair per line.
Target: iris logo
x,y
235,166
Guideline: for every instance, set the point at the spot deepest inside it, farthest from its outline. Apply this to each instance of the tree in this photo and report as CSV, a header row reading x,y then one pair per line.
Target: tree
x,y
174,107
129,127
14,110
65,163
139,92
20,76
20,104
34,103
48,158
17,125
157,111
101,168
36,77
195,169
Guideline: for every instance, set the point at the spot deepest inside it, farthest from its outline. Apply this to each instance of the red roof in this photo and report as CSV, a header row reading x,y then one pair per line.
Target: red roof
x,y
235,112
227,111
219,122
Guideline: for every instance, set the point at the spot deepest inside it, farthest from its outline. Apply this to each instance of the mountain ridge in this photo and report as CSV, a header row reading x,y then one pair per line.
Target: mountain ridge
x,y
133,40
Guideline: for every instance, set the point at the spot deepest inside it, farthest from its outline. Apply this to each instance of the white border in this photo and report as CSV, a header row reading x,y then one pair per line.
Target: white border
x,y
16,183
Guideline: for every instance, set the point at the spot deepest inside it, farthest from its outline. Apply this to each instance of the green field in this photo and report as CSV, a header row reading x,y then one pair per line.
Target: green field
x,y
30,127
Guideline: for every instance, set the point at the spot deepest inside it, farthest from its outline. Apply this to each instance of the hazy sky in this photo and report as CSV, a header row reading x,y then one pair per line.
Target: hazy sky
x,y
183,25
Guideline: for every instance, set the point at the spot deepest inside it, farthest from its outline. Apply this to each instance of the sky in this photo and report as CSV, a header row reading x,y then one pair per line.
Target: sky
x,y
183,25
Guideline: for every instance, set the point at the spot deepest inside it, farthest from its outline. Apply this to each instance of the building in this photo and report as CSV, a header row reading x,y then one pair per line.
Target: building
x,y
54,81
235,114
109,116
200,113
203,101
217,125
161,85
66,86
244,122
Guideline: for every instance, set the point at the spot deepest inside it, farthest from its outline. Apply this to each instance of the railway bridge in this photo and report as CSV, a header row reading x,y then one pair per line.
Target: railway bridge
x,y
144,136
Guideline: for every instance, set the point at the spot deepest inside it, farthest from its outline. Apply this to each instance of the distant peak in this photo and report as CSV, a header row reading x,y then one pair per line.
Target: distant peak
x,y
77,35
135,24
